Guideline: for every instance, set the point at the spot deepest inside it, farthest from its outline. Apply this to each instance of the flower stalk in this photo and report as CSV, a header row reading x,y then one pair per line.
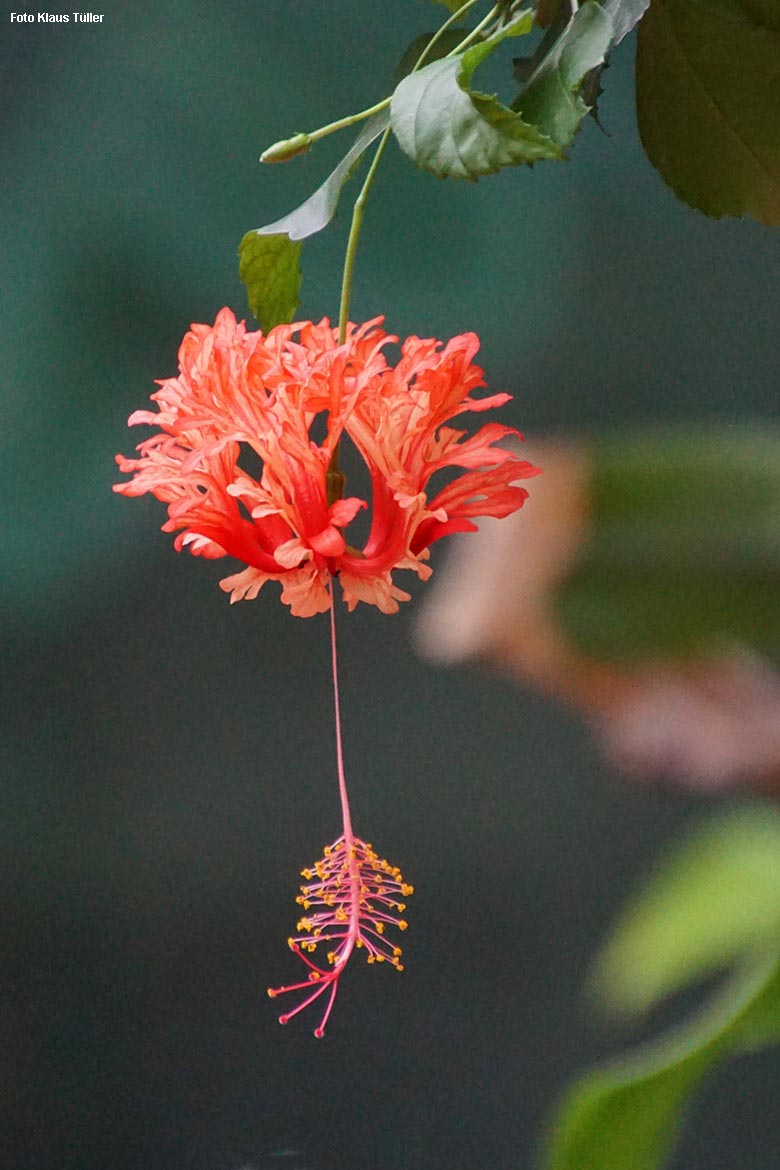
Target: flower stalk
x,y
289,148
336,480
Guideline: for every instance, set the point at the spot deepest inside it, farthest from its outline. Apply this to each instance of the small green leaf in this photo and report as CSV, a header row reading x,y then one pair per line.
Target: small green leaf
x,y
455,132
270,268
708,102
551,99
625,1115
269,257
712,901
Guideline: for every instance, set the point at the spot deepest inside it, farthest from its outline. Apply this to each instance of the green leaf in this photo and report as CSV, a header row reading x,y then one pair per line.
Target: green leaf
x,y
709,903
716,900
270,268
455,132
683,552
551,99
624,14
625,1114
269,257
708,102
453,5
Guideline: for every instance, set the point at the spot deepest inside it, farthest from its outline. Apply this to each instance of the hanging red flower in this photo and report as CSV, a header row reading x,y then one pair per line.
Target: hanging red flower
x,y
240,391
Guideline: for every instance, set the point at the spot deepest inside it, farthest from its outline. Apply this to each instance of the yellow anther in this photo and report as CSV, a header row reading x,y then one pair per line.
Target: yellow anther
x,y
271,993
399,966
358,943
402,925
380,928
400,907
340,915
331,956
397,952
307,873
370,959
407,891
380,958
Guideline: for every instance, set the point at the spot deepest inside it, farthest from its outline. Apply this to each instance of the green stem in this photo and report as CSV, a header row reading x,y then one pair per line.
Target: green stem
x,y
360,202
335,478
354,236
350,120
335,481
437,35
288,148
475,32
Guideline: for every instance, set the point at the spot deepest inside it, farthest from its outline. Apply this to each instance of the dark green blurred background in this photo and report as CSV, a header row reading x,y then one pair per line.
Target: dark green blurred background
x,y
168,759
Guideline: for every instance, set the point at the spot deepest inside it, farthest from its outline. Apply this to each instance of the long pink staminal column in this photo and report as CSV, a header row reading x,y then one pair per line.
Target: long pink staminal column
x,y
345,815
354,894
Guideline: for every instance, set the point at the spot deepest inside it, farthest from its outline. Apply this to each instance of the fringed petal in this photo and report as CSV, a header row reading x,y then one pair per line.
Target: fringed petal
x,y
240,396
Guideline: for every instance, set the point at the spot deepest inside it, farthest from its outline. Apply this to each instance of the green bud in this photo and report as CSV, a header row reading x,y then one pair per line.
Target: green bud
x,y
286,149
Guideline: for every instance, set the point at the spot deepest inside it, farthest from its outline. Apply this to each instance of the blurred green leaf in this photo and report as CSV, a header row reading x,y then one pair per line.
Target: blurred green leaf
x,y
269,257
455,132
625,1115
708,101
708,904
683,554
715,901
551,99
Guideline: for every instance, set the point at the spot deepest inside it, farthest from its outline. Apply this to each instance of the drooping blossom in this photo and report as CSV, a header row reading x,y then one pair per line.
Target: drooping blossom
x,y
240,396
240,392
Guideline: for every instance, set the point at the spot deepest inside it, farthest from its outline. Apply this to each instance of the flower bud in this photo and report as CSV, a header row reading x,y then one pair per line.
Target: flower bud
x,y
286,149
